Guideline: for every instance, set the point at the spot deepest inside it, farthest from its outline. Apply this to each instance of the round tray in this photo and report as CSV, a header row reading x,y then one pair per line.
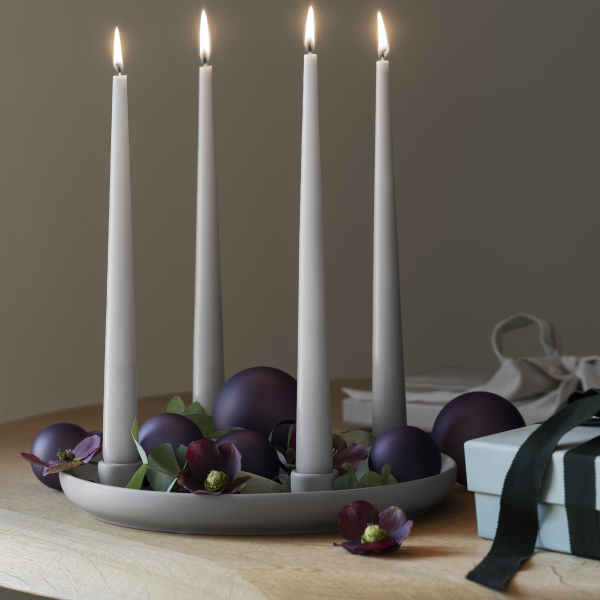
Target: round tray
x,y
249,514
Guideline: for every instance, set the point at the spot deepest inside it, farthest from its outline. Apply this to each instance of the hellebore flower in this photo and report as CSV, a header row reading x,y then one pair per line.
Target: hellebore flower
x,y
342,452
212,469
69,459
366,530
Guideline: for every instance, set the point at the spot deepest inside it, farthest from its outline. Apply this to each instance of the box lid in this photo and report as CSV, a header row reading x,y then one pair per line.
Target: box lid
x,y
489,458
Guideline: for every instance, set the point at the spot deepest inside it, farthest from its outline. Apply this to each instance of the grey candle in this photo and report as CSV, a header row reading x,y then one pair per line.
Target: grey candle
x,y
120,456
389,398
313,420
208,363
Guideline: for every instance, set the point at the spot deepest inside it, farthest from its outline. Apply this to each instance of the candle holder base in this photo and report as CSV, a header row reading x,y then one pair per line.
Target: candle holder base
x,y
116,474
313,482
249,514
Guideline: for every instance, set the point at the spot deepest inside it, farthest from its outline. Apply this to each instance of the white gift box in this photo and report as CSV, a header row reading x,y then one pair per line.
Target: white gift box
x,y
488,460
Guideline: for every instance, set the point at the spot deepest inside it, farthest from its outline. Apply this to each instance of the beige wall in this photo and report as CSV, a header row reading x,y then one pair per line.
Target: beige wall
x,y
496,129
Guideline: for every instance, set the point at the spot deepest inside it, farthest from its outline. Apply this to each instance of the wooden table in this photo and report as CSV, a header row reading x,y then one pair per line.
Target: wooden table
x,y
50,547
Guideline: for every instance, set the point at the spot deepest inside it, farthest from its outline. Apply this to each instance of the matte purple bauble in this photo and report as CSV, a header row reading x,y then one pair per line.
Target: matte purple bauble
x,y
60,436
168,428
258,455
470,416
257,399
411,452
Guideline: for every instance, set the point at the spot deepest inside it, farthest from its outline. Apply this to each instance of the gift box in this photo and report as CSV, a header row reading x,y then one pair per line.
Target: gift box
x,y
488,460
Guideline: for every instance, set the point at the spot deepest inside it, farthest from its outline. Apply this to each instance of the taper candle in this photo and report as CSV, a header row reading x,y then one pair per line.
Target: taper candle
x,y
120,456
389,398
313,420
208,365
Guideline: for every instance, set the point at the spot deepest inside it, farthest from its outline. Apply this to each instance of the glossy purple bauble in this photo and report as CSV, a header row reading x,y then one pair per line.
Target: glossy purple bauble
x,y
258,455
60,436
257,399
469,416
411,452
168,428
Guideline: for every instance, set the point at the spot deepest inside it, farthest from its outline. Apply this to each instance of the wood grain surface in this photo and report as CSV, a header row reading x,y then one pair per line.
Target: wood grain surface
x,y
51,548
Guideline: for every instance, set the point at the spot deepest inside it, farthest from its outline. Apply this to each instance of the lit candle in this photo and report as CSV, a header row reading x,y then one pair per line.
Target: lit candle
x,y
209,372
120,388
389,399
313,420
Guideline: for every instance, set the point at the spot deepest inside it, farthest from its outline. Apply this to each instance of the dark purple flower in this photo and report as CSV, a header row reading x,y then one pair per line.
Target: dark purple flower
x,y
366,530
212,469
342,452
69,459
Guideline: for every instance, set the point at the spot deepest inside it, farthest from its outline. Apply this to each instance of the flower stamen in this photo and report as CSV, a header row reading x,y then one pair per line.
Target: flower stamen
x,y
373,534
216,481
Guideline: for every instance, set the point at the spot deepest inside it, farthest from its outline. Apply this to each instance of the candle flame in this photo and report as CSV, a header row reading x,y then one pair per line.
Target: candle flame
x,y
205,43
309,31
117,52
382,37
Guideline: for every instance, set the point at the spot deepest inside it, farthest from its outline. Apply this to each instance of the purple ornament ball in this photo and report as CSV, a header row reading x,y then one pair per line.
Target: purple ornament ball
x,y
258,455
411,452
60,436
470,416
168,428
257,399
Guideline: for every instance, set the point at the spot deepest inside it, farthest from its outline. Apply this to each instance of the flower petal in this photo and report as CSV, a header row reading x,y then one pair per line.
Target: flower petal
x,y
231,460
338,442
395,523
352,547
187,482
385,546
354,454
236,486
355,518
32,458
203,457
87,448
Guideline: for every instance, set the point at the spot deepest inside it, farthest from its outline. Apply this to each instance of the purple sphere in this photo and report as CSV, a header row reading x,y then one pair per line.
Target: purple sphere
x,y
258,455
60,436
168,428
411,452
469,416
257,399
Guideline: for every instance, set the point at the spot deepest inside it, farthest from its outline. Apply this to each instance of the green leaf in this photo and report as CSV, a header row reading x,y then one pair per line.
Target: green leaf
x,y
290,434
174,487
286,488
362,469
181,460
364,438
138,478
347,481
385,474
175,405
217,434
259,485
134,433
370,478
391,480
194,409
163,459
204,422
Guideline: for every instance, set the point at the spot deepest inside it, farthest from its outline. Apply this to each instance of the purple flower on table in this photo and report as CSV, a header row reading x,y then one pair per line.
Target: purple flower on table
x,y
342,452
366,530
212,469
69,459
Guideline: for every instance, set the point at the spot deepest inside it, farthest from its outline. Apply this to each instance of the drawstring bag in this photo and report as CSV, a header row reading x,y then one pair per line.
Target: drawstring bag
x,y
537,385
